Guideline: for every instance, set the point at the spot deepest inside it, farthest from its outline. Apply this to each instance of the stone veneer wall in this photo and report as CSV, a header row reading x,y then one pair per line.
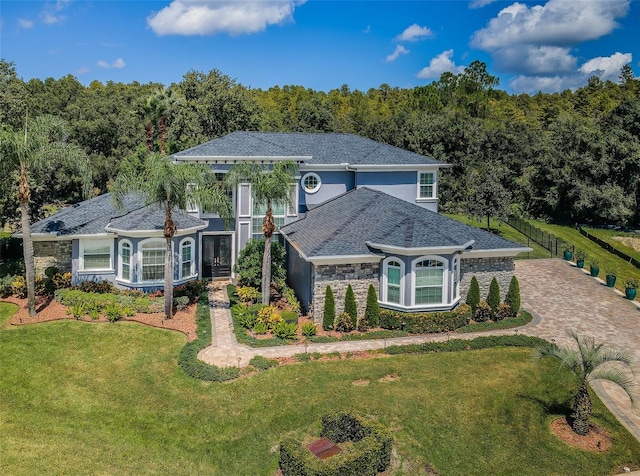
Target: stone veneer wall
x,y
485,269
359,276
52,253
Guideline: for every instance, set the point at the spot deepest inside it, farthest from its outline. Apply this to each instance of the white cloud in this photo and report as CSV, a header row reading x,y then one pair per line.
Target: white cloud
x,y
608,66
25,23
51,13
83,70
480,3
557,23
119,63
204,17
440,64
414,32
400,50
534,59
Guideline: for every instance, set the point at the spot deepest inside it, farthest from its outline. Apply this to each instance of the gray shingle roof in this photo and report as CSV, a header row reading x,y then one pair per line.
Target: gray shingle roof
x,y
92,217
342,226
322,148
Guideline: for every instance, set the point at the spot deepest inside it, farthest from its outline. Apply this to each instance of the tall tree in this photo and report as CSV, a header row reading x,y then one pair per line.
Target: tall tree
x,y
270,185
488,197
29,153
172,186
588,362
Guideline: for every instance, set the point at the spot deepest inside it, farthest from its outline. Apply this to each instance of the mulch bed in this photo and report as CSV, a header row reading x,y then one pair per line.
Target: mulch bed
x,y
597,440
50,310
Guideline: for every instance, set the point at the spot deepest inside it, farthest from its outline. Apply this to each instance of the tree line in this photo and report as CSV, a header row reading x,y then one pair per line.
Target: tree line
x,y
568,157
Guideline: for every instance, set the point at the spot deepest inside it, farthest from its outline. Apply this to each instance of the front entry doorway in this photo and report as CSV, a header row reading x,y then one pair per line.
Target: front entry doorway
x,y
216,256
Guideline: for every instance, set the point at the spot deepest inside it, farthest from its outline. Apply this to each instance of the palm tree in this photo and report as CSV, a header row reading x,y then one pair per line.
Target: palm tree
x,y
587,363
28,153
172,186
270,185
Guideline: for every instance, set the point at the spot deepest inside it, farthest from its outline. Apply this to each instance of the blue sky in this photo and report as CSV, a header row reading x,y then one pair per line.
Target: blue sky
x,y
322,44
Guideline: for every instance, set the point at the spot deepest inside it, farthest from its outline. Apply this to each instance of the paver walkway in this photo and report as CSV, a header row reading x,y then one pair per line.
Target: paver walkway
x,y
560,296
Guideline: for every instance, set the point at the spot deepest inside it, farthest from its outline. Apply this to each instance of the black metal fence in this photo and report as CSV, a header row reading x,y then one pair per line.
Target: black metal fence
x,y
610,248
555,245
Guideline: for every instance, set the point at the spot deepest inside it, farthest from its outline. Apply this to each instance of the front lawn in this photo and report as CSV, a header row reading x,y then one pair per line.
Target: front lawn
x,y
80,398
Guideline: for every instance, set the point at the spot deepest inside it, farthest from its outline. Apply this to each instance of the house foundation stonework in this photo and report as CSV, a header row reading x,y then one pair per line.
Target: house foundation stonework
x,y
485,269
339,277
52,253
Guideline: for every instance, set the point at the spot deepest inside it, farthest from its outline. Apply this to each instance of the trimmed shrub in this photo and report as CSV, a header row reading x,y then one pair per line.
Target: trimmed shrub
x,y
50,271
285,330
262,363
269,316
362,325
483,312
368,453
100,287
329,312
249,264
426,322
114,312
372,311
188,356
456,345
289,317
493,299
513,296
503,312
191,289
473,295
309,329
5,285
350,306
61,281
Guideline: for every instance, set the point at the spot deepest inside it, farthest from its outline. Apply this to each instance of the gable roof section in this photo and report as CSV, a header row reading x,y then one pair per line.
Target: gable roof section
x,y
96,215
364,222
310,148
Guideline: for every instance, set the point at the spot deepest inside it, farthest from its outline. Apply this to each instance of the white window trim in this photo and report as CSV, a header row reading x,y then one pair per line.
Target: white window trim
x,y
385,281
434,195
141,257
131,260
82,243
261,217
310,175
445,282
192,243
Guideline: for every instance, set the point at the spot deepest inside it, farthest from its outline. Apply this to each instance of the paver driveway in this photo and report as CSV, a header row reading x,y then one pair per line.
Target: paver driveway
x,y
561,297
564,298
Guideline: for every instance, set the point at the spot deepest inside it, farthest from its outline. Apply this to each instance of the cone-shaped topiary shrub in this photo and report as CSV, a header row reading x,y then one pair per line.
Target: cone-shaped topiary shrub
x,y
329,312
372,311
493,299
513,296
473,295
350,306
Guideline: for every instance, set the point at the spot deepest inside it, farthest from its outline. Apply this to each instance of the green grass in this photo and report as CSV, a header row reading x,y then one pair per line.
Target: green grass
x,y
609,235
80,398
607,260
507,232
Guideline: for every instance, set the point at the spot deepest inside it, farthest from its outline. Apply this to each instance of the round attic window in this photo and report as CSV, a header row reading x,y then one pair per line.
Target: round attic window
x,y
311,182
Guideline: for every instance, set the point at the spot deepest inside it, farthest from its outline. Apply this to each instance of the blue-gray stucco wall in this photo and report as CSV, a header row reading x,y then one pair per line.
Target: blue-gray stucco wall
x,y
333,183
299,276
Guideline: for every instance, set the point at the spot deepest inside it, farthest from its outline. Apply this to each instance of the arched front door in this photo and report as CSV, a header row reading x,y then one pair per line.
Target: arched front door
x,y
216,256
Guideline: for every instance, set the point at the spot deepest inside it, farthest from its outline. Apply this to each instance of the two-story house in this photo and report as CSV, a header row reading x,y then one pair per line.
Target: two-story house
x,y
365,213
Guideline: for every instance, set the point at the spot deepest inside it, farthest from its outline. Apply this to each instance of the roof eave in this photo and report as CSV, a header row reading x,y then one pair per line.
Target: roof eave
x,y
422,250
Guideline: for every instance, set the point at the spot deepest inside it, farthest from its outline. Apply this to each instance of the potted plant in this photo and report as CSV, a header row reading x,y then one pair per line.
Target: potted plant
x,y
580,257
630,288
568,251
610,277
594,268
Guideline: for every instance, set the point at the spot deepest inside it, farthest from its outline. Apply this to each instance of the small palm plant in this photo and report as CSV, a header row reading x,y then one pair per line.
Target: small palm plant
x,y
587,363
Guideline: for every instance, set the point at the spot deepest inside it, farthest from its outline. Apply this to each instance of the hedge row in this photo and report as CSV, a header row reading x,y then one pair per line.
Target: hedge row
x,y
188,357
369,453
426,322
455,345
